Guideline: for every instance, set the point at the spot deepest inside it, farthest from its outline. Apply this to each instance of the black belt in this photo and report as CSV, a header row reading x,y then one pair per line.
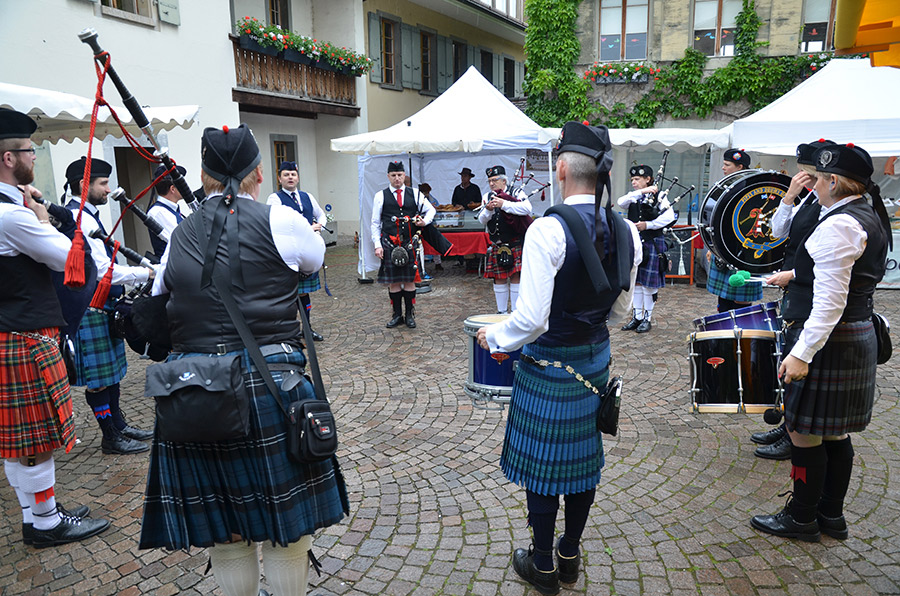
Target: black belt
x,y
224,348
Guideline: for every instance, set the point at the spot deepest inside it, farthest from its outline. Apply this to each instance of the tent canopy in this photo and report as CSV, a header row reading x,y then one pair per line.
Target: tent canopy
x,y
470,116
848,101
658,139
66,117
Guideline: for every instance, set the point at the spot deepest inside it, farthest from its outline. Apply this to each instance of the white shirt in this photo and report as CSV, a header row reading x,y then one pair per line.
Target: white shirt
x,y
166,218
299,247
666,216
122,274
543,255
318,214
423,206
834,246
520,207
784,215
22,233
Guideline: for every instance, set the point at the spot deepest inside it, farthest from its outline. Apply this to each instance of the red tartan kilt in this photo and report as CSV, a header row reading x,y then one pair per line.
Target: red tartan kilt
x,y
35,404
493,270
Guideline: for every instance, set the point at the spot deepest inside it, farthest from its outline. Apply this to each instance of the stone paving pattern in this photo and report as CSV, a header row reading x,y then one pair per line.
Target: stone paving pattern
x,y
433,514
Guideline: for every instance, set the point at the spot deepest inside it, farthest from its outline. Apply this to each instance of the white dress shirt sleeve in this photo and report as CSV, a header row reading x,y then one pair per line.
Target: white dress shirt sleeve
x,y
627,199
273,199
165,218
621,308
484,216
665,218
300,248
377,204
781,220
121,274
521,207
318,213
22,233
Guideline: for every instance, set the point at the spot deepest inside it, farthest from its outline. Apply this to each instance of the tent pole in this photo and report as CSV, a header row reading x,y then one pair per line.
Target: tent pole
x,y
550,172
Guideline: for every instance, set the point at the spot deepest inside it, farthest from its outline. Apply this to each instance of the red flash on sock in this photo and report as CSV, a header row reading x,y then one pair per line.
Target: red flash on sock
x,y
42,496
798,473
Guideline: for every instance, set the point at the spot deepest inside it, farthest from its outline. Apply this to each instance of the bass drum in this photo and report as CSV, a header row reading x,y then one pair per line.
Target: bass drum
x,y
735,219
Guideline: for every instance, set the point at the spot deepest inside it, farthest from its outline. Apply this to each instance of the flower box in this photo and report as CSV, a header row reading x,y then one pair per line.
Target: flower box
x,y
250,42
292,55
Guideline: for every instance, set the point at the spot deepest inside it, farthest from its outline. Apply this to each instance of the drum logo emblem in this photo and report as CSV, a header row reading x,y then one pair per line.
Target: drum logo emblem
x,y
500,357
751,226
715,361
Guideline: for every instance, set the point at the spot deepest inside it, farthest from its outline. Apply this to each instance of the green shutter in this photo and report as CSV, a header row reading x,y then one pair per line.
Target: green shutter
x,y
444,63
405,59
416,58
520,78
375,75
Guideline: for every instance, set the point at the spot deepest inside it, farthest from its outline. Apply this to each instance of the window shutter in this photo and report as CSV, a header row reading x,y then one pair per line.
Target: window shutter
x,y
416,58
444,63
470,58
520,78
375,74
498,72
406,71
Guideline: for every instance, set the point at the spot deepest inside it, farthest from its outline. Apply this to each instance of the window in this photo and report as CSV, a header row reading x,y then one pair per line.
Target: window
x,y
714,23
818,26
388,52
284,148
459,59
509,77
623,20
278,13
487,65
137,7
426,41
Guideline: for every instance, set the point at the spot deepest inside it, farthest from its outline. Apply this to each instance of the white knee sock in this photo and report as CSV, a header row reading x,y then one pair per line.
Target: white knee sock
x,y
11,467
287,569
236,568
36,482
501,295
513,296
637,302
649,295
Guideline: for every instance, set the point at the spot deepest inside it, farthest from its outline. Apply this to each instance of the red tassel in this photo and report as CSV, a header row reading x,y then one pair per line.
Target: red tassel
x,y
543,195
418,277
103,287
74,274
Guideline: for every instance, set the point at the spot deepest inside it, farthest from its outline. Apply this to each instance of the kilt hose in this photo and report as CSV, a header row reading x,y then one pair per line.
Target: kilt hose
x,y
552,446
650,273
717,283
199,494
838,394
493,270
35,404
99,357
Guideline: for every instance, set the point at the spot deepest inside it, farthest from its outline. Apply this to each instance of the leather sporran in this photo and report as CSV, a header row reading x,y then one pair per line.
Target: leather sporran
x,y
608,412
399,257
312,434
883,336
505,258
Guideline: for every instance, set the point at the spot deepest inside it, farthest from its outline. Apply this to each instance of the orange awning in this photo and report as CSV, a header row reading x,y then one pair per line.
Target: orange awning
x,y
871,26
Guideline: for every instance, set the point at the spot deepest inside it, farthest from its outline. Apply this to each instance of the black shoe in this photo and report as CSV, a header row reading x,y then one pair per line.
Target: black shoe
x,y
545,582
394,321
836,527
644,327
632,324
783,524
136,433
28,529
770,436
410,321
70,529
122,445
317,336
568,566
780,449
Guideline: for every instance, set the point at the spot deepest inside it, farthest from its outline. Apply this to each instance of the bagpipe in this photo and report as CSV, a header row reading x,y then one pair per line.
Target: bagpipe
x,y
657,198
521,181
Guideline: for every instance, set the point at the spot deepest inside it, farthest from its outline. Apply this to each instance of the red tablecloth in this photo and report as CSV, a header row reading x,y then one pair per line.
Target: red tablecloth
x,y
464,243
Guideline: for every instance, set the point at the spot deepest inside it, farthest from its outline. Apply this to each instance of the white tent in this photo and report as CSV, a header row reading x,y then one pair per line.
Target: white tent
x,y
66,117
470,125
848,101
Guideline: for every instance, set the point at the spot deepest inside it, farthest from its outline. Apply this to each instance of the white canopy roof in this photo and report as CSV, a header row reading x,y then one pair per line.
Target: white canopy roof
x,y
470,116
848,101
67,117
676,139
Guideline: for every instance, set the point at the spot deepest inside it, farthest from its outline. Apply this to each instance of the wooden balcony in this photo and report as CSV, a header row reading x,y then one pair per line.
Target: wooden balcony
x,y
272,85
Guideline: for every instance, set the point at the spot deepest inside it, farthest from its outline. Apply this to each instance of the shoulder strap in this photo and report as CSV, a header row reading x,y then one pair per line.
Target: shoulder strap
x,y
583,239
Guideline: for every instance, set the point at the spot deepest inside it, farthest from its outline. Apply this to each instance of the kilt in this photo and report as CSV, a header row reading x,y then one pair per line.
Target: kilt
x,y
650,273
99,357
35,403
388,274
309,284
838,394
552,446
717,283
493,270
199,494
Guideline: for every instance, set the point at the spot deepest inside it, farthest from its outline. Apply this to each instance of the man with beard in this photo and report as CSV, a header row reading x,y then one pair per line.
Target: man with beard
x,y
35,403
100,358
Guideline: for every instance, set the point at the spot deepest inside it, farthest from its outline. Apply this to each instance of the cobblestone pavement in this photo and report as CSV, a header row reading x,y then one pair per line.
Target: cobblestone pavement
x,y
433,514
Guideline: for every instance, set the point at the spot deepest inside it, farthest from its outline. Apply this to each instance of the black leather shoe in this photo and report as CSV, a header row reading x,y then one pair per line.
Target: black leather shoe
x,y
394,321
545,582
136,433
782,524
70,529
317,336
780,449
770,436
122,445
632,324
568,566
410,321
644,327
28,529
836,527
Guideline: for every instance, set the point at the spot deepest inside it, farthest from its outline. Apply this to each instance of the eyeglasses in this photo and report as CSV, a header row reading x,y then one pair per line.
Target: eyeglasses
x,y
29,150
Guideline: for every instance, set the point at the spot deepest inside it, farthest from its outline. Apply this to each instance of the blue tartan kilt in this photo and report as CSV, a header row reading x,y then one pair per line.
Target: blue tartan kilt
x,y
309,284
552,446
650,274
717,283
838,394
99,357
199,494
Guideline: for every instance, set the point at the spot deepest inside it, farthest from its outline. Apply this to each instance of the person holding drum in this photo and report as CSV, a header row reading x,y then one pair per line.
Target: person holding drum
x,y
651,212
831,345
552,446
731,297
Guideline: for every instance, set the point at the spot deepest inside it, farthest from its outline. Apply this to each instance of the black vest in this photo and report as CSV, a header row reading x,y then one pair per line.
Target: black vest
x,y
159,245
390,208
198,320
866,273
577,313
304,208
804,220
645,211
27,298
501,229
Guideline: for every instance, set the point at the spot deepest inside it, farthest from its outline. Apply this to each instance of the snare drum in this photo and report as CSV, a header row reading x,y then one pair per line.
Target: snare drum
x,y
490,375
756,316
735,371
